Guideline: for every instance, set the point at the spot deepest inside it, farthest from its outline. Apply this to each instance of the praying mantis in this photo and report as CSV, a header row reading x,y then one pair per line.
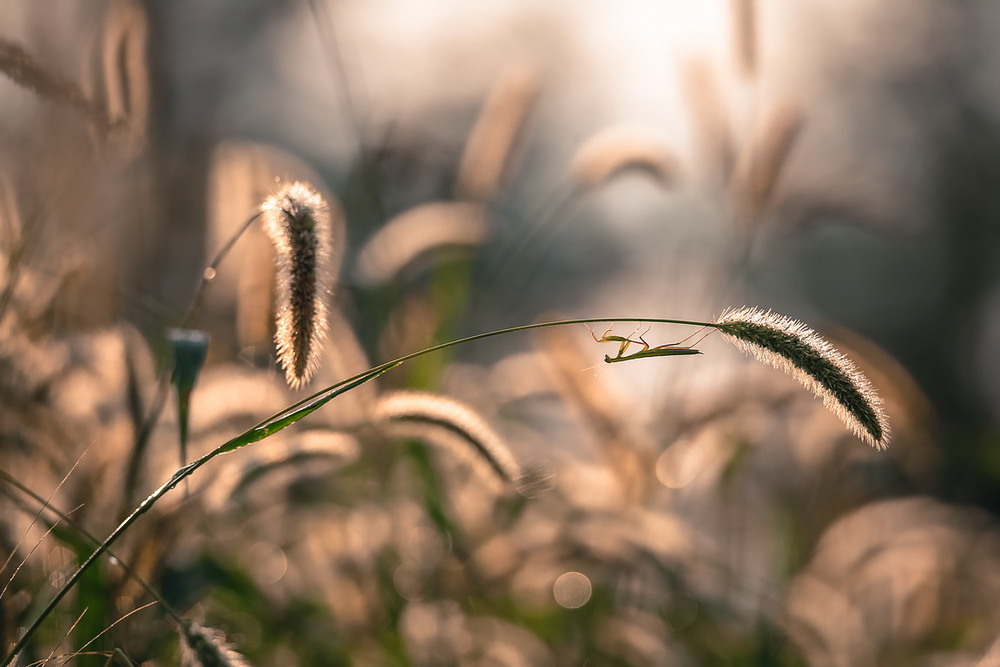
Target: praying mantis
x,y
673,349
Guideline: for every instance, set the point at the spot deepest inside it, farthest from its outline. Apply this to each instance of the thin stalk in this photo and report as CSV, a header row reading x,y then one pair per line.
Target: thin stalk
x,y
335,60
282,420
212,270
321,395
80,530
163,382
254,434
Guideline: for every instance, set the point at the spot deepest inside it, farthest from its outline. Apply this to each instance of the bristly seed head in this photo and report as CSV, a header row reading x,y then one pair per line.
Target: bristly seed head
x,y
791,346
297,221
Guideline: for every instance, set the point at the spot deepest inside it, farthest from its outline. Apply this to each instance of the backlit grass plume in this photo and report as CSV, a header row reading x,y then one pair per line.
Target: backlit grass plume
x,y
297,221
793,347
494,139
480,444
417,232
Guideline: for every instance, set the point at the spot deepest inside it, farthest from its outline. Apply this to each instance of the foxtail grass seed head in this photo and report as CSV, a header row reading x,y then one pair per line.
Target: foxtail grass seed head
x,y
207,647
481,445
497,133
621,149
710,118
414,234
794,348
297,221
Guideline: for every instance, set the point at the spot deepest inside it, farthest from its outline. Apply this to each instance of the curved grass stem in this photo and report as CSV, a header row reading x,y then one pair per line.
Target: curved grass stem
x,y
282,420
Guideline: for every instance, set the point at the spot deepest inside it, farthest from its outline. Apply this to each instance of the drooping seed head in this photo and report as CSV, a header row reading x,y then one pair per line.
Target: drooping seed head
x,y
794,348
416,232
619,149
297,221
710,118
480,444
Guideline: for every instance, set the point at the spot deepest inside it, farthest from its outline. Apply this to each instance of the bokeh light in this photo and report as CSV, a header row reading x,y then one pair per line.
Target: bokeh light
x,y
572,590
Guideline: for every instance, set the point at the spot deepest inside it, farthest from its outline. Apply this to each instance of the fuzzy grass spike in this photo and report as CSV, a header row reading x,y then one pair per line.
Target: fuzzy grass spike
x,y
297,221
488,451
794,348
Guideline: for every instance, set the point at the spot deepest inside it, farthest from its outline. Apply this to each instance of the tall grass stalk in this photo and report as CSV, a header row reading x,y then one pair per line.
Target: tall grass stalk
x,y
72,524
256,433
163,382
787,344
794,348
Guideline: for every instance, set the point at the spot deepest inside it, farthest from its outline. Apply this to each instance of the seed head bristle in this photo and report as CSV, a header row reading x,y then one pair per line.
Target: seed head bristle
x,y
411,235
433,410
297,221
794,348
207,647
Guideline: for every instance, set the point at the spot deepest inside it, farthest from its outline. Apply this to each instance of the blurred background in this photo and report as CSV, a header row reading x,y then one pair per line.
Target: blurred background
x,y
489,165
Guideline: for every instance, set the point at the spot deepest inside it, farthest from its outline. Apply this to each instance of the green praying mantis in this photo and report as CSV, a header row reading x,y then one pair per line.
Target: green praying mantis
x,y
669,350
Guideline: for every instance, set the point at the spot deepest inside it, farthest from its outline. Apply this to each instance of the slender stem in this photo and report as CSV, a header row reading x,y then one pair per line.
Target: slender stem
x,y
539,325
285,418
211,270
163,381
335,60
73,524
545,224
253,434
142,437
99,551
320,395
